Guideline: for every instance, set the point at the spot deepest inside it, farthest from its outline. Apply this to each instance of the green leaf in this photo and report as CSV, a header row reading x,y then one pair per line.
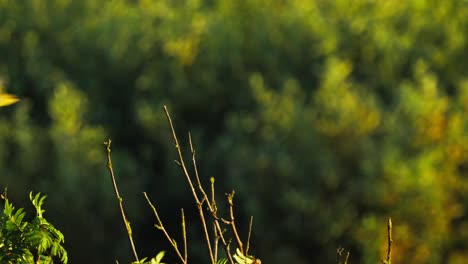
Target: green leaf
x,y
159,256
222,261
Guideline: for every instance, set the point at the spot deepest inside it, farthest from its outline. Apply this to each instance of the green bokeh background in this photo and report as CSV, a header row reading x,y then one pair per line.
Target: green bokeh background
x,y
326,117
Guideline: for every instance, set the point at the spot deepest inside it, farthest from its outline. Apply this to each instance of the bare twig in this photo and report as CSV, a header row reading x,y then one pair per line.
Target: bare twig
x,y
161,227
181,158
219,232
205,198
389,241
216,242
197,199
184,235
200,198
248,236
233,223
213,201
339,253
194,161
192,188
119,198
215,209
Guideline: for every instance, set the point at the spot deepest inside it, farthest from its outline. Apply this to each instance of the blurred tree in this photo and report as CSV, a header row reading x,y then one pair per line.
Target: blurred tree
x,y
325,116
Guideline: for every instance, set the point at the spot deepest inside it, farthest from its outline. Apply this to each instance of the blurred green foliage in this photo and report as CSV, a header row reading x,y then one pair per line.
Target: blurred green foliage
x,y
325,116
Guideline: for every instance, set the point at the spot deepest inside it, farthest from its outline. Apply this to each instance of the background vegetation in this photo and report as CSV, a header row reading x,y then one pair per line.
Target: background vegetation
x,y
326,117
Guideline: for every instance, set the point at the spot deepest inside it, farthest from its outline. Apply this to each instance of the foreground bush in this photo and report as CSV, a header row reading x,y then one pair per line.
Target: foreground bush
x,y
26,242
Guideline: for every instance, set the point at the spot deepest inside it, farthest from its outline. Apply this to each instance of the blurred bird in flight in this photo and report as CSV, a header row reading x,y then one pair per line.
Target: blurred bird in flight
x,y
5,98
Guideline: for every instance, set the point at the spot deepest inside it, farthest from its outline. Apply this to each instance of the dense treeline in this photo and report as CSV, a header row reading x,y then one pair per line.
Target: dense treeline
x,y
326,117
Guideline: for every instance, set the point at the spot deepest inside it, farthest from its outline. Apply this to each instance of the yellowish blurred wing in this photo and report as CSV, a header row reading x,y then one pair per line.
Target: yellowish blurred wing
x,y
7,99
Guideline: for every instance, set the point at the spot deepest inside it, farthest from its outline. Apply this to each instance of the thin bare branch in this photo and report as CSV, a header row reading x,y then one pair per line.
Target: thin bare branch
x,y
161,227
184,235
181,158
119,198
339,253
216,241
219,233
189,180
233,223
214,208
248,236
390,241
194,161
204,199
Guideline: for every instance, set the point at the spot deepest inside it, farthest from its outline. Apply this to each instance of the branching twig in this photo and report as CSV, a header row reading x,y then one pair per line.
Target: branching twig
x,y
194,161
199,201
200,198
161,227
181,158
189,180
119,198
205,198
339,252
219,232
233,223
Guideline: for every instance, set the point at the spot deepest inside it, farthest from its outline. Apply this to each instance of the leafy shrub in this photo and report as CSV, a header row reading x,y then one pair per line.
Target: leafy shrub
x,y
35,241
